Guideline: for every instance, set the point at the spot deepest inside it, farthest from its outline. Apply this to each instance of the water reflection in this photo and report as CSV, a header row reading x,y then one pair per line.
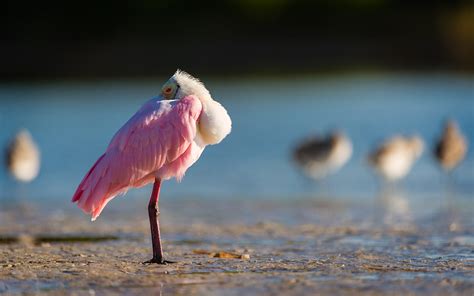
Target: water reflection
x,y
395,207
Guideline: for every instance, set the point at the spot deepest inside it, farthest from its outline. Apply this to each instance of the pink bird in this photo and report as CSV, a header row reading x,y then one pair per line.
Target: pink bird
x,y
161,141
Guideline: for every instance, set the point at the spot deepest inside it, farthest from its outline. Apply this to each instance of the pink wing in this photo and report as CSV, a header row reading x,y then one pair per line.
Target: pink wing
x,y
159,133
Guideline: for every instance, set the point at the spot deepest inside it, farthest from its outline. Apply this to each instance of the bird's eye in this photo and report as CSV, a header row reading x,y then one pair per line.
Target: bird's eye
x,y
170,89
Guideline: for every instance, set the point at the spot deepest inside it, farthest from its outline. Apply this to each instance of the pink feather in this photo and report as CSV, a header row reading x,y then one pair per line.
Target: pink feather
x,y
158,141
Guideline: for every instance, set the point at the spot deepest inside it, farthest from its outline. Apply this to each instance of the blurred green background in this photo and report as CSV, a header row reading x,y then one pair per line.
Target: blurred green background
x,y
96,39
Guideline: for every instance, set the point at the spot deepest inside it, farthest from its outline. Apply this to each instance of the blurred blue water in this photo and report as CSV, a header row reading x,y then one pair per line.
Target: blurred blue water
x,y
73,123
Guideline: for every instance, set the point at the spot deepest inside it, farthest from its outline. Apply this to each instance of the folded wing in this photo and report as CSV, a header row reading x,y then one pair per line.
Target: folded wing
x,y
159,133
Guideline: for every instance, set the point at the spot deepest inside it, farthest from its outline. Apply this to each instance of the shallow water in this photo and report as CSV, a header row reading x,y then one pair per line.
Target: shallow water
x,y
73,123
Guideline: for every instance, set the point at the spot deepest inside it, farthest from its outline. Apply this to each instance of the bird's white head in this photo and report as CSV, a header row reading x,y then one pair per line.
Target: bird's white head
x,y
182,84
214,122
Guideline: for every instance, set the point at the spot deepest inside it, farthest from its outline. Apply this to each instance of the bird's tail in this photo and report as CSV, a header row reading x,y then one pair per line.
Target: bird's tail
x,y
94,191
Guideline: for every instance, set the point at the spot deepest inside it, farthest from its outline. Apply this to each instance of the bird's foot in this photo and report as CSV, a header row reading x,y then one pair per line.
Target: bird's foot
x,y
159,261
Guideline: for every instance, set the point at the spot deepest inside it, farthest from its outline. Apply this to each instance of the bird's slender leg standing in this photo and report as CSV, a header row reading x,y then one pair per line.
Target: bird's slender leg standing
x,y
153,214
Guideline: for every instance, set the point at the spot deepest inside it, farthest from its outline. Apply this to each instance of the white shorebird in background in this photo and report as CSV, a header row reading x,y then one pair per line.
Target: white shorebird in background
x,y
321,156
23,157
396,156
451,147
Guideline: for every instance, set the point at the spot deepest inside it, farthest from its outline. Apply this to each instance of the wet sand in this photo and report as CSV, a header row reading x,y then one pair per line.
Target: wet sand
x,y
284,248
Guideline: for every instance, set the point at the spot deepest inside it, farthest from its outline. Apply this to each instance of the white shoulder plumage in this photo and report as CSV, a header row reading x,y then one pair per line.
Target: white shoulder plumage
x,y
215,123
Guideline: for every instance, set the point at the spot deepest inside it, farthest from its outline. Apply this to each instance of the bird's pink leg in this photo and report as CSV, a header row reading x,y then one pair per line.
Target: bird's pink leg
x,y
153,214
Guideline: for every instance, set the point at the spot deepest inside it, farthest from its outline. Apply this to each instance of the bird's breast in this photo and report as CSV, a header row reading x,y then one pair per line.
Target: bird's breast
x,y
214,123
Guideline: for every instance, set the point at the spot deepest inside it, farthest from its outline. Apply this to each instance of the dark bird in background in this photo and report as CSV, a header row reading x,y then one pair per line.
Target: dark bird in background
x,y
320,156
451,147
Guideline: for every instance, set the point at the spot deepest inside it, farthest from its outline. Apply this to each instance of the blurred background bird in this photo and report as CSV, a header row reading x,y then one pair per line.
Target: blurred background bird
x,y
23,157
394,159
320,156
451,147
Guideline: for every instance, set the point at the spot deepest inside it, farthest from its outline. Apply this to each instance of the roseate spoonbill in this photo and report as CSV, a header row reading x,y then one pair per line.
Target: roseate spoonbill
x,y
23,157
395,157
451,147
161,141
321,156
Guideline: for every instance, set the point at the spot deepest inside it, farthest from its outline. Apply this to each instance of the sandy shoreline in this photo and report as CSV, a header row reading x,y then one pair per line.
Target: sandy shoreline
x,y
308,247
